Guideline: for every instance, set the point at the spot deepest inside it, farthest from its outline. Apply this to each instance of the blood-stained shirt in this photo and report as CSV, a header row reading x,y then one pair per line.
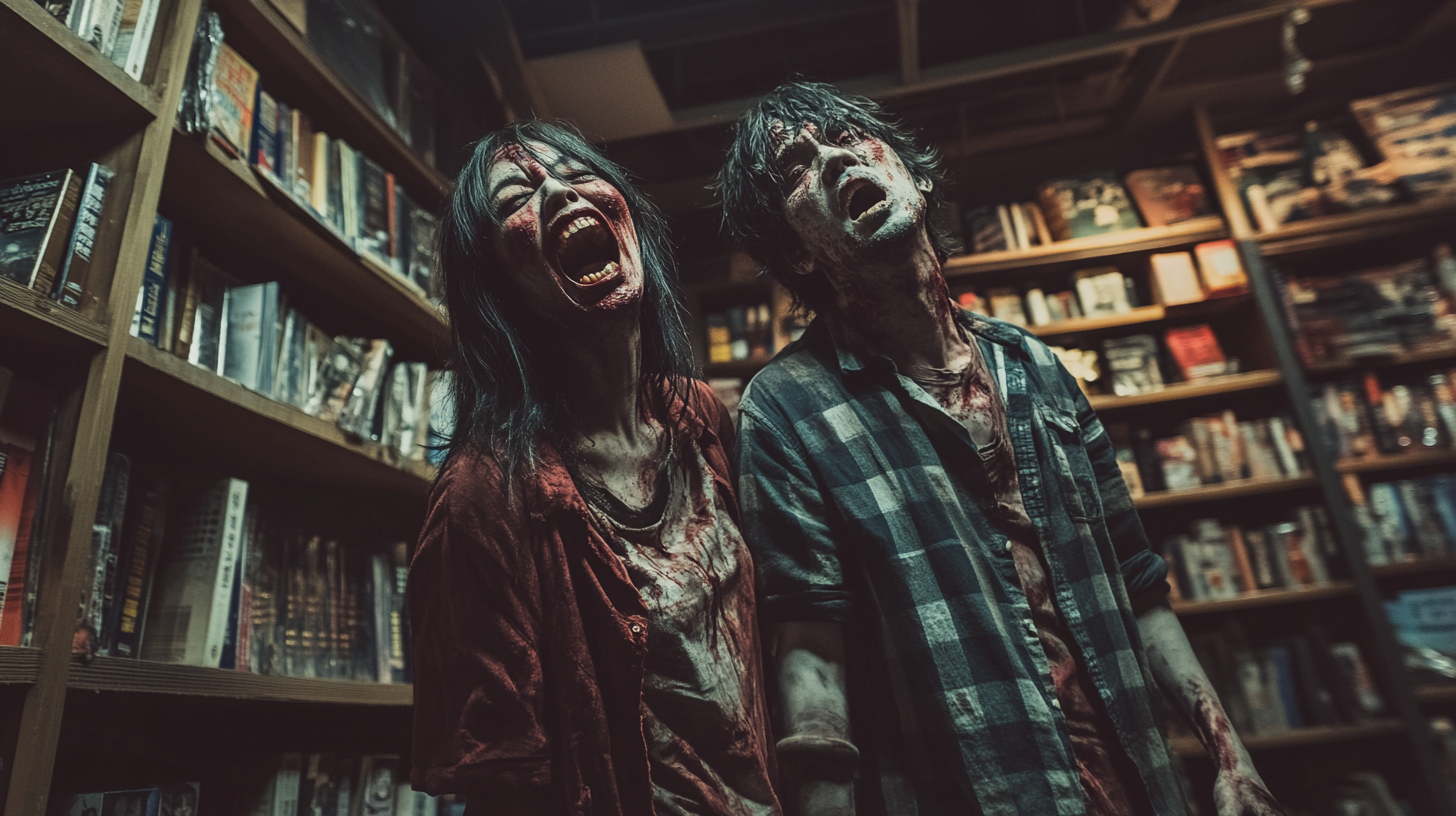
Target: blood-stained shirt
x,y
531,640
695,576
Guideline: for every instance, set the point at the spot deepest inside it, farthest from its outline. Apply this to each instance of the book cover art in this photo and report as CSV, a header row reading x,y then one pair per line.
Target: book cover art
x,y
1221,269
1197,351
357,415
1175,279
33,219
1179,463
1168,195
1094,204
235,85
71,286
1102,291
1131,364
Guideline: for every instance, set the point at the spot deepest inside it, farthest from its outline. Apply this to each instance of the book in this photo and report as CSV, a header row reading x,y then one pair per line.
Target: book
x,y
1259,457
15,492
378,775
250,341
287,146
1094,204
1036,307
1412,129
188,615
143,535
318,181
300,181
238,620
36,213
1006,305
1168,195
1196,350
264,152
235,91
1178,463
99,592
71,280
1132,364
1221,269
1101,291
1175,280
373,208
399,635
358,414
208,317
134,36
984,231
148,321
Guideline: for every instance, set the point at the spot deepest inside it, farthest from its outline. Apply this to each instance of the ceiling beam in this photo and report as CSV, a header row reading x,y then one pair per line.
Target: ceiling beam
x,y
885,87
499,52
909,12
695,23
1148,76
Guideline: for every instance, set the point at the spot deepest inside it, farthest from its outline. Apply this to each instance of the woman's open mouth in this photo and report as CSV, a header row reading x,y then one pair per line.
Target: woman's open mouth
x,y
587,253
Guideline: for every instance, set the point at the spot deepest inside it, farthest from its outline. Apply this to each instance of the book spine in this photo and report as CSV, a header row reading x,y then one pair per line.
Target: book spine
x,y
146,536
71,281
148,324
140,45
399,635
14,481
53,249
234,510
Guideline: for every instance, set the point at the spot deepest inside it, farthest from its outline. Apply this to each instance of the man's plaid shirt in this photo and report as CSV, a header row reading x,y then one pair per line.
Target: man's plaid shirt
x,y
866,504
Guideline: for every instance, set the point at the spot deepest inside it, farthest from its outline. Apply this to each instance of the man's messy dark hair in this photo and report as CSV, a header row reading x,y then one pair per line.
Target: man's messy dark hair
x,y
750,186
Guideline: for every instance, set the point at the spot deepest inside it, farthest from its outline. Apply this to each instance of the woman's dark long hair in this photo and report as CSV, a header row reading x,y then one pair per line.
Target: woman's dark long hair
x,y
510,394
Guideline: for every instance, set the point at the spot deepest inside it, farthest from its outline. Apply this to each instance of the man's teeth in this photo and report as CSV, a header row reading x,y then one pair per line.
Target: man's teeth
x,y
600,275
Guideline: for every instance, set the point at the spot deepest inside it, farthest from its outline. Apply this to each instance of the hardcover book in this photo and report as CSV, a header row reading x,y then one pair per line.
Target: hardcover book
x,y
1197,352
148,324
235,90
1168,195
1132,364
36,213
71,280
1175,279
1103,291
1094,204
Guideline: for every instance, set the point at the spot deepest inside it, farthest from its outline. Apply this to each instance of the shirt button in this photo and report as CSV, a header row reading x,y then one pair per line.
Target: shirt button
x,y
1008,545
1057,704
636,629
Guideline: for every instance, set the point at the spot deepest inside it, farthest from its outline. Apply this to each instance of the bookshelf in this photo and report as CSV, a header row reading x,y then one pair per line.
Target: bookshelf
x,y
1147,239
1194,389
112,388
1190,747
1264,598
1244,489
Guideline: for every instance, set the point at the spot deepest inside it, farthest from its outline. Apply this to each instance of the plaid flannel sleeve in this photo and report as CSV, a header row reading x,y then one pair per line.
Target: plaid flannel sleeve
x,y
785,523
1144,572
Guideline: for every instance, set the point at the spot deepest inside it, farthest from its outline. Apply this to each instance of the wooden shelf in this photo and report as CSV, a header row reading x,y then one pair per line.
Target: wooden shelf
x,y
1190,747
30,318
1436,694
1398,461
246,429
1441,354
1207,228
146,677
1226,384
1419,566
220,194
60,82
1222,492
1142,314
19,666
1267,597
1348,228
288,65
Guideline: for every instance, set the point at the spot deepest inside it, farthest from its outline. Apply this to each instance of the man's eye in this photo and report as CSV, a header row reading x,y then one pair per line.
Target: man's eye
x,y
846,137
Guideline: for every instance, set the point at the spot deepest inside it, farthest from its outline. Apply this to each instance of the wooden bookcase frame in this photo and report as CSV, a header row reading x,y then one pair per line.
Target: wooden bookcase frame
x,y
149,154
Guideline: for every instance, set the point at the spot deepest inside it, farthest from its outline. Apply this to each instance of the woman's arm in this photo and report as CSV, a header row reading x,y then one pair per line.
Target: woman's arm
x,y
1237,789
816,755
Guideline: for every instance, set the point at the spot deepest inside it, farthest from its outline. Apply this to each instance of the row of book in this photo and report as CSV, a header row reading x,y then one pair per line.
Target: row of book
x,y
1405,519
120,29
48,229
1293,682
1093,204
1288,173
1365,417
1146,364
1213,561
1425,619
250,334
343,189
170,800
1214,449
27,416
1099,292
324,784
224,580
1371,313
740,333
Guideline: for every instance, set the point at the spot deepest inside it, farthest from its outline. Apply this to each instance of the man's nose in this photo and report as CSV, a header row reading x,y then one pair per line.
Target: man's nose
x,y
835,161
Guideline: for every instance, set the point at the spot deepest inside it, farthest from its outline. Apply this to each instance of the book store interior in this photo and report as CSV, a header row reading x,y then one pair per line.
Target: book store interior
x,y
288,373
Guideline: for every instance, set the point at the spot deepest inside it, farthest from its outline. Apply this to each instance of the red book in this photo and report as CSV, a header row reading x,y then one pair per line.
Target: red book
x,y
391,210
16,512
1197,351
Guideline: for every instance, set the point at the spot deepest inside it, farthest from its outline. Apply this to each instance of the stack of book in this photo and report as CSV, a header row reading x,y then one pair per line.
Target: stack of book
x,y
1301,681
1372,313
1366,416
740,333
224,580
1214,449
1145,363
49,223
346,191
1214,562
325,784
1093,293
1415,132
1405,519
120,29
1094,204
27,417
250,334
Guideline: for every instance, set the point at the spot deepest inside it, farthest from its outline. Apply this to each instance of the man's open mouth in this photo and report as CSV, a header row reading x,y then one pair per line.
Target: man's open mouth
x,y
864,197
587,252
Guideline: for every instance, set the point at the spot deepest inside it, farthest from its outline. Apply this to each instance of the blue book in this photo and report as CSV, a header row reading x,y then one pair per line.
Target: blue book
x,y
70,287
147,323
1443,493
264,153
1283,664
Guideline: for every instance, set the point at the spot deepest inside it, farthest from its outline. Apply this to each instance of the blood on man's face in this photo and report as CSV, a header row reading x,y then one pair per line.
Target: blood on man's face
x,y
846,194
566,236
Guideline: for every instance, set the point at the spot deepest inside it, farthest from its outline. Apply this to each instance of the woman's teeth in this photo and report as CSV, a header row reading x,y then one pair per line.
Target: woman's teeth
x,y
600,275
577,226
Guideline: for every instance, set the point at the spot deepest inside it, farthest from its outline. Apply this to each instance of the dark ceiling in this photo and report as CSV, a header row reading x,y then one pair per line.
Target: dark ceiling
x,y
983,80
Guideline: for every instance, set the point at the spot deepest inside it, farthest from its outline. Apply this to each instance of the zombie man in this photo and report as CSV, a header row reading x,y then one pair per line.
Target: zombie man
x,y
966,613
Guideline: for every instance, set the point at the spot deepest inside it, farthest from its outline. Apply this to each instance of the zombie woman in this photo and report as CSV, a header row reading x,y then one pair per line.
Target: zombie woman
x,y
581,599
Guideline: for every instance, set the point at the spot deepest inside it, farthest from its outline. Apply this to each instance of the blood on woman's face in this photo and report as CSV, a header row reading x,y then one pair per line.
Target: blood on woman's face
x,y
846,194
566,236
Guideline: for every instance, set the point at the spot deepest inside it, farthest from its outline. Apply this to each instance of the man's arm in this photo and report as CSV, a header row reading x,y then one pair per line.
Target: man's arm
x,y
1237,789
816,755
